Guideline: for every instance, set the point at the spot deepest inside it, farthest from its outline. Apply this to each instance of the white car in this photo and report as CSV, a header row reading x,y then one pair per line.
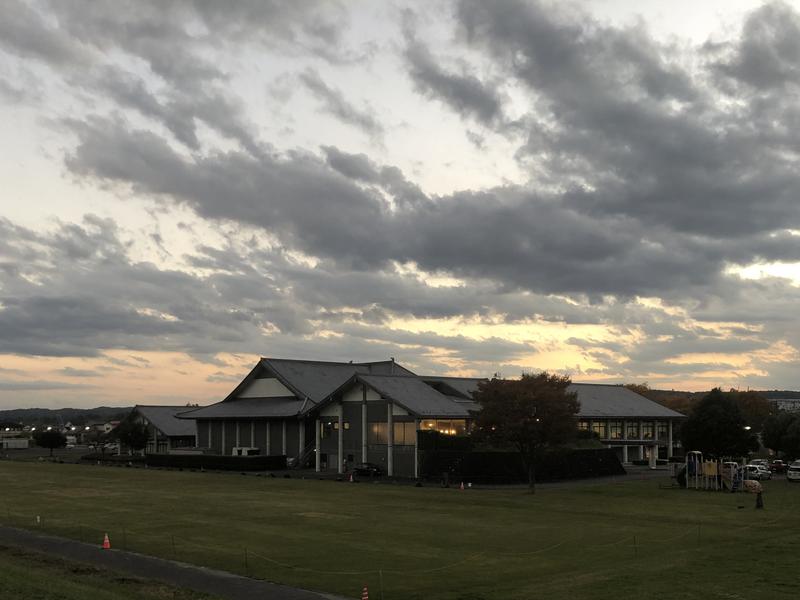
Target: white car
x,y
793,472
757,471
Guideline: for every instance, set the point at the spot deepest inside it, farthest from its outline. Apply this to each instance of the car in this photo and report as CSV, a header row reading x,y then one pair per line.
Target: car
x,y
778,466
367,470
793,472
761,462
757,472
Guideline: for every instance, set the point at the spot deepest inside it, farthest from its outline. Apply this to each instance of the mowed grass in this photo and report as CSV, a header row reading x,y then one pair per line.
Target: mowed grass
x,y
623,540
33,576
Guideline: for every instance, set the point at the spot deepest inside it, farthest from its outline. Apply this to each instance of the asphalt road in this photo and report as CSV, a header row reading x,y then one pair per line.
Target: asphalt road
x,y
219,583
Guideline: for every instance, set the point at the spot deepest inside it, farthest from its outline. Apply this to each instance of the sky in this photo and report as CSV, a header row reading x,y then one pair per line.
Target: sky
x,y
606,189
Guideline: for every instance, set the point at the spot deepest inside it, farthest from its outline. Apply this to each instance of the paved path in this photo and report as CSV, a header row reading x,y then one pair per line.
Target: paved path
x,y
200,579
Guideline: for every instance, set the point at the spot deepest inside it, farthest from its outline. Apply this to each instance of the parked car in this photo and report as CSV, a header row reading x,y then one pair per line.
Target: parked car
x,y
761,462
367,470
778,466
757,472
793,472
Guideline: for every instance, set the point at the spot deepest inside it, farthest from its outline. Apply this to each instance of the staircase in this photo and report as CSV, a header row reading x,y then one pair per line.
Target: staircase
x,y
305,457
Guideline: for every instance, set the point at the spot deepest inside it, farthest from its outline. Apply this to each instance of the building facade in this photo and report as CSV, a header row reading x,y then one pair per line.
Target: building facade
x,y
330,416
637,428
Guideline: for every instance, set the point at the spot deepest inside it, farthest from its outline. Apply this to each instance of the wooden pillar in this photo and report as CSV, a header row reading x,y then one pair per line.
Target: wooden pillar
x,y
283,437
624,446
252,434
301,437
364,426
669,439
316,446
268,451
238,440
340,440
209,435
416,448
389,439
222,451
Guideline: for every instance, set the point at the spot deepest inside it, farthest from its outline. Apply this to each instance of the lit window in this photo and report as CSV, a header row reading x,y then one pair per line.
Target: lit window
x,y
601,429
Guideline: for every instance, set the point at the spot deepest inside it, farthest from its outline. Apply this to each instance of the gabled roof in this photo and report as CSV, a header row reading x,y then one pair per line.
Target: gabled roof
x,y
416,396
602,400
165,419
248,408
317,380
454,386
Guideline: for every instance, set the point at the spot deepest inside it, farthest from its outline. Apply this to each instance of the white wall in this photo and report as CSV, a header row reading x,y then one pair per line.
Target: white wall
x,y
265,388
354,394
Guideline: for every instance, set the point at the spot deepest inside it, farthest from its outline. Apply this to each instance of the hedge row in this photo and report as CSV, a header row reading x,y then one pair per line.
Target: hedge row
x,y
507,467
217,462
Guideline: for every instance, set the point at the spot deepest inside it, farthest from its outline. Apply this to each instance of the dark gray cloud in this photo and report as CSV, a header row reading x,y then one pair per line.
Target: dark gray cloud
x,y
462,91
334,103
767,55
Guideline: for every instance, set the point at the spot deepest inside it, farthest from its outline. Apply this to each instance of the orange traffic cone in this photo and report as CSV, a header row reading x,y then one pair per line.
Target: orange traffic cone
x,y
462,486
365,593
106,543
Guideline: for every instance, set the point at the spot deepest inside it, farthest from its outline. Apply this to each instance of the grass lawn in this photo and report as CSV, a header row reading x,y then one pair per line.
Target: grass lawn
x,y
624,540
33,576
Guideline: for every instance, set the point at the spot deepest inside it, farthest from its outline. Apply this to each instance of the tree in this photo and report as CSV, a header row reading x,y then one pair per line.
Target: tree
x,y
781,433
716,427
132,433
50,439
528,414
754,406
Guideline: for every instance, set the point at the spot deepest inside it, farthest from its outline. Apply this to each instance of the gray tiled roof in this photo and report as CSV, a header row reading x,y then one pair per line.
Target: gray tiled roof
x,y
599,400
164,418
318,379
248,408
416,396
464,386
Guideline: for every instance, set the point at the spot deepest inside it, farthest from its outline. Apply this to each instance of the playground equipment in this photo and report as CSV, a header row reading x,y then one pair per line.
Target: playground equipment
x,y
712,475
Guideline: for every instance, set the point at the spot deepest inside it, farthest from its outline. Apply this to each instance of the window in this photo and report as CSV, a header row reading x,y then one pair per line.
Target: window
x,y
378,433
601,429
662,430
633,430
326,429
647,430
445,426
583,425
615,430
404,434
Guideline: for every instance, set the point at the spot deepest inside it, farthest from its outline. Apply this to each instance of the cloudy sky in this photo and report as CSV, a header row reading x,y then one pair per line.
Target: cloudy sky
x,y
608,189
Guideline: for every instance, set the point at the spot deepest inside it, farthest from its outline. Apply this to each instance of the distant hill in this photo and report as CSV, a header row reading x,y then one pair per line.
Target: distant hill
x,y
76,416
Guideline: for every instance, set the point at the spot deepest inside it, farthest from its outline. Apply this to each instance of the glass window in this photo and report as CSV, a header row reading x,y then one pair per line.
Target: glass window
x,y
647,430
662,430
445,426
615,430
583,425
633,430
326,428
404,434
378,433
601,429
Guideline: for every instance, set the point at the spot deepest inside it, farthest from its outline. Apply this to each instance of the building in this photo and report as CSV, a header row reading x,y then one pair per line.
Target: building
x,y
330,415
167,431
786,404
637,428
